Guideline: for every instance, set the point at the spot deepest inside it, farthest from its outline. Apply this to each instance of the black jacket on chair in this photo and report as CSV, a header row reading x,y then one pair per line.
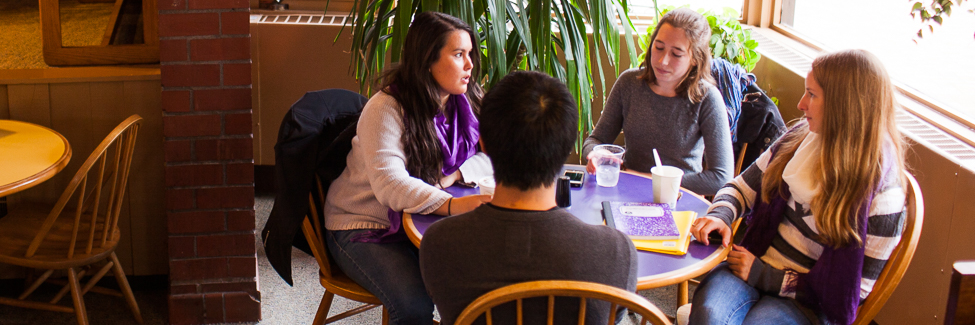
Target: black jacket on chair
x,y
759,125
314,139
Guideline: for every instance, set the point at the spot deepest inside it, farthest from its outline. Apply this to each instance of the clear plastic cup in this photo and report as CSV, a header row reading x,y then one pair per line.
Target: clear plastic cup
x,y
607,159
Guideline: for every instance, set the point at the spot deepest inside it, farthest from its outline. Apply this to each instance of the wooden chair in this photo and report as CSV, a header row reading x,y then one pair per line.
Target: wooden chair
x,y
899,259
562,288
333,279
80,232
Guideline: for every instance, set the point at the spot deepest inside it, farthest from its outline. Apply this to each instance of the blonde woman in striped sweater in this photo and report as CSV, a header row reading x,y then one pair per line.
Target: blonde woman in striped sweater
x,y
824,207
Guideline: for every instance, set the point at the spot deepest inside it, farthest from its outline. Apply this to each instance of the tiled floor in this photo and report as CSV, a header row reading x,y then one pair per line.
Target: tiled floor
x,y
280,304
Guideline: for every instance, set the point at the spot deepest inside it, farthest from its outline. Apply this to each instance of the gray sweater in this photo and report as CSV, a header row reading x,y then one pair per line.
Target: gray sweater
x,y
683,132
376,178
466,256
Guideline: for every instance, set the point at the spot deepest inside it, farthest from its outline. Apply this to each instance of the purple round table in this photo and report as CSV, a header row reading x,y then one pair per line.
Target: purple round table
x,y
654,270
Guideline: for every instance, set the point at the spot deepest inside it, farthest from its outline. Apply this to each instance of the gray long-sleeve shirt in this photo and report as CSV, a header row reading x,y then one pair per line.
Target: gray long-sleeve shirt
x,y
684,133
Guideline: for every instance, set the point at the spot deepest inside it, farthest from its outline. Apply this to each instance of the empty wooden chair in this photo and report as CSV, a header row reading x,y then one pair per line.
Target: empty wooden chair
x,y
562,288
332,279
80,234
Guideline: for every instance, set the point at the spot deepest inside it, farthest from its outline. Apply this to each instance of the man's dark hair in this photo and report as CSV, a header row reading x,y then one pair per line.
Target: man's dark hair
x,y
528,125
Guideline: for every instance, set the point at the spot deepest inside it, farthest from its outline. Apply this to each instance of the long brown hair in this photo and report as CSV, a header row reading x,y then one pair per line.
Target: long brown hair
x,y
419,93
859,137
698,32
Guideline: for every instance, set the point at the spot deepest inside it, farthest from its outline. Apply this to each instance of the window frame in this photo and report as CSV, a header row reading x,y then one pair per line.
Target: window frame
x,y
767,13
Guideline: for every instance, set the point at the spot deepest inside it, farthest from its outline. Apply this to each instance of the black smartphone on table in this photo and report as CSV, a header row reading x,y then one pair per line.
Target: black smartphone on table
x,y
575,177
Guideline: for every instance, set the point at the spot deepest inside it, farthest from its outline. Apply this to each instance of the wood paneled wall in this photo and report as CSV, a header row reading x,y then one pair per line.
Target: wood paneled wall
x,y
85,111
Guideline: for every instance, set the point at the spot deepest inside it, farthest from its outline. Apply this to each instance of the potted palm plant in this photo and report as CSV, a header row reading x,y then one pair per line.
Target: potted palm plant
x,y
562,38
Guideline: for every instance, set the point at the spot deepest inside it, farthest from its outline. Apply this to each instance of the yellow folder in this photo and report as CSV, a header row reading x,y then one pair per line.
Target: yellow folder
x,y
684,219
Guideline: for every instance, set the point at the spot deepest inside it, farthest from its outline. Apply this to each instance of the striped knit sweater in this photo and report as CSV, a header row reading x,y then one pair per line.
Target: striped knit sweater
x,y
797,245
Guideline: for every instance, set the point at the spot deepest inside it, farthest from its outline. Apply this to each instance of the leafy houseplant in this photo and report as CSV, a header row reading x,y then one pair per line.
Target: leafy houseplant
x,y
550,36
729,40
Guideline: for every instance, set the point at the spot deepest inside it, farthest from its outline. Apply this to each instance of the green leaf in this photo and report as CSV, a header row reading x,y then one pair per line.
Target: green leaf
x,y
430,5
496,34
751,44
937,19
401,25
917,6
718,49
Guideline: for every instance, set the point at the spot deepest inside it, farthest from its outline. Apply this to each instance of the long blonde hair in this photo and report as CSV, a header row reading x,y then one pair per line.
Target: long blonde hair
x,y
698,32
859,139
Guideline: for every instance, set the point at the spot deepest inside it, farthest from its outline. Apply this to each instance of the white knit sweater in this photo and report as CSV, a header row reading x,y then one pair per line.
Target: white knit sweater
x,y
376,177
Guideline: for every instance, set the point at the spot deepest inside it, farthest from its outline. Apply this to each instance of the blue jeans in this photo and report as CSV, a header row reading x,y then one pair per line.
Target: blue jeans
x,y
723,298
391,272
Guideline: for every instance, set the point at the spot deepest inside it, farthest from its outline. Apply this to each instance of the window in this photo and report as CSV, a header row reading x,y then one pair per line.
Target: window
x,y
939,67
644,8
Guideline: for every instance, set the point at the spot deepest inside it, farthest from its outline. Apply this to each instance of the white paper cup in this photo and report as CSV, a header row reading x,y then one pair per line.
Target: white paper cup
x,y
666,184
486,185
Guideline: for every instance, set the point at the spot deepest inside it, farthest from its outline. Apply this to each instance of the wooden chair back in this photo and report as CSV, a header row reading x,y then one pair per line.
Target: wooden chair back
x,y
900,258
94,195
562,288
313,229
332,278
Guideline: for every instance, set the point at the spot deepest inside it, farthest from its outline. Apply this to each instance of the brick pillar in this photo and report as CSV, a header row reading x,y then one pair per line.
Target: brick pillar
x,y
206,98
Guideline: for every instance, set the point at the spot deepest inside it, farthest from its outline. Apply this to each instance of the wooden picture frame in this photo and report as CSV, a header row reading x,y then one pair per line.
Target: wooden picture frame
x,y
56,54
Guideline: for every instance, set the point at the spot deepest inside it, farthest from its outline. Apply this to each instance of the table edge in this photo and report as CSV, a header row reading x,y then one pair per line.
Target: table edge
x,y
43,175
411,230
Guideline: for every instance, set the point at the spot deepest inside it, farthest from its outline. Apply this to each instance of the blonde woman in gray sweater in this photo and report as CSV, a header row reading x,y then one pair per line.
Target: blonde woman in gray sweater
x,y
416,136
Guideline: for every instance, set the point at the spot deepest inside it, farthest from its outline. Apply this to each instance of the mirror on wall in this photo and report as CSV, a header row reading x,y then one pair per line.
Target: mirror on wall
x,y
99,32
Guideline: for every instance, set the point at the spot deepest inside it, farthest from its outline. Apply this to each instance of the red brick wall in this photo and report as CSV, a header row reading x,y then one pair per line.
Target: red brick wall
x,y
206,98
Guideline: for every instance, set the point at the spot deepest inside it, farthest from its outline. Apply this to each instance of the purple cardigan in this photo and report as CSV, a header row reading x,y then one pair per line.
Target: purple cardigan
x,y
832,286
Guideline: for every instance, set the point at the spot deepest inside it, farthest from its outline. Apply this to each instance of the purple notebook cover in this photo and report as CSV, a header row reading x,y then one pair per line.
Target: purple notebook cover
x,y
641,227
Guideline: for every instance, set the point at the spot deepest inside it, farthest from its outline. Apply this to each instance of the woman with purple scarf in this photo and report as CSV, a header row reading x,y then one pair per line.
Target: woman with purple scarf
x,y
416,136
824,207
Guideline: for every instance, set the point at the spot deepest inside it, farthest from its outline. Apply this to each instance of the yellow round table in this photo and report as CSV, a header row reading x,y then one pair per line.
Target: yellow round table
x,y
29,154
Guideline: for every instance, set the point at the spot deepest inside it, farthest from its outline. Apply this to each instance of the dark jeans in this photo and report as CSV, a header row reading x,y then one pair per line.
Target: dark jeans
x,y
723,298
391,272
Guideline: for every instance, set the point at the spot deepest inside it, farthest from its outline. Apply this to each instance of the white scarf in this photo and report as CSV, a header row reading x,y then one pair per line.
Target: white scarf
x,y
801,173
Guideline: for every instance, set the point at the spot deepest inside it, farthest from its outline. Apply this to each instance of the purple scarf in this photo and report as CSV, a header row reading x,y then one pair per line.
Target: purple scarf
x,y
457,130
832,286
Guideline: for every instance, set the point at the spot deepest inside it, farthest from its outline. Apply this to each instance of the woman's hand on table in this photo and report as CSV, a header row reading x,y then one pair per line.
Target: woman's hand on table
x,y
740,262
449,180
705,225
462,204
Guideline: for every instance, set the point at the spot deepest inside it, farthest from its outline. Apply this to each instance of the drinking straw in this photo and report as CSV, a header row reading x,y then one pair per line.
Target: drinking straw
x,y
656,157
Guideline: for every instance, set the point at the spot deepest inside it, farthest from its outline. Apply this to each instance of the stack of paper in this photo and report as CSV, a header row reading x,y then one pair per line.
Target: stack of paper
x,y
677,246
